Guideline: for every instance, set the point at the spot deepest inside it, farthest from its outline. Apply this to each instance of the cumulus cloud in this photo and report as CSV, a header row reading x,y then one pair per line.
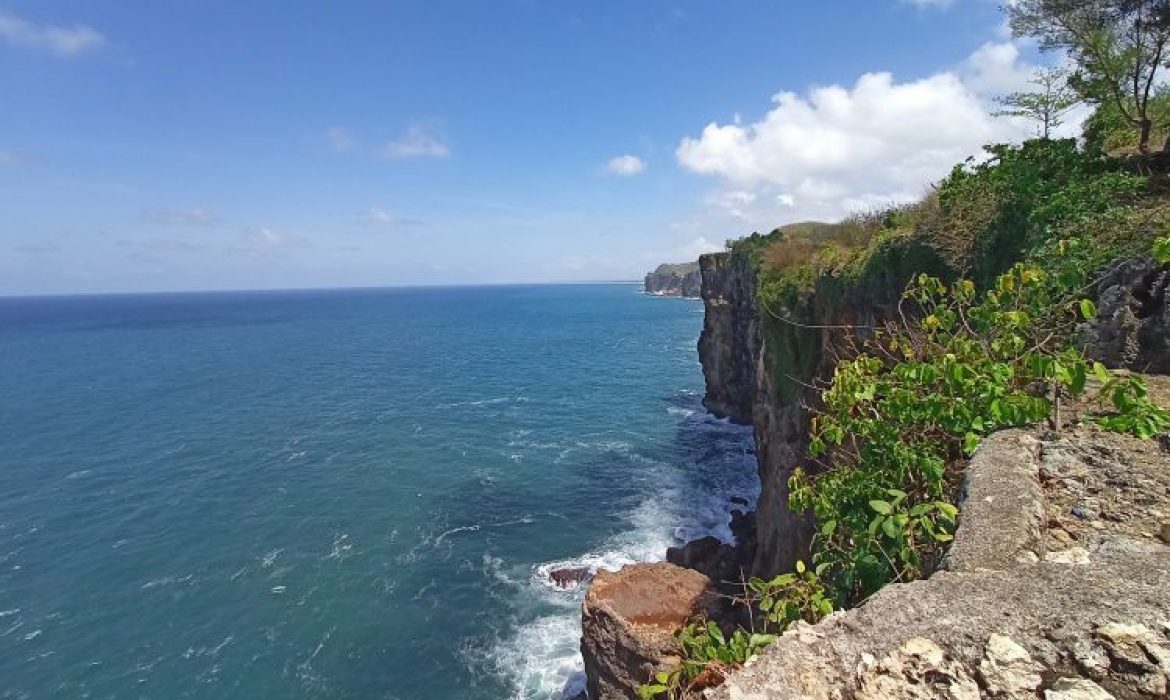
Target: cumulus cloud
x,y
180,217
836,149
418,142
66,42
626,165
699,246
996,68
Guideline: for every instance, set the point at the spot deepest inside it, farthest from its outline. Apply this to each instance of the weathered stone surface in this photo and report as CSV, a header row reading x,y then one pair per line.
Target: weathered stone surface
x,y
1138,655
1132,327
1007,670
1001,500
917,670
1100,485
629,618
1076,689
1107,621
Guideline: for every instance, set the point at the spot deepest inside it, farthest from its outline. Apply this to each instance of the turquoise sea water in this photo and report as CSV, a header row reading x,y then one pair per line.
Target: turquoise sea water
x,y
348,494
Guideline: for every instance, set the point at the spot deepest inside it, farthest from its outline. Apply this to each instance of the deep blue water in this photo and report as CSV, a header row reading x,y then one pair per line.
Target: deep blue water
x,y
347,494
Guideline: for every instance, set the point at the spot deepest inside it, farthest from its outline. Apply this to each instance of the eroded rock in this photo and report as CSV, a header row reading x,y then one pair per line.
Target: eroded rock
x,y
1007,670
1076,689
629,619
917,670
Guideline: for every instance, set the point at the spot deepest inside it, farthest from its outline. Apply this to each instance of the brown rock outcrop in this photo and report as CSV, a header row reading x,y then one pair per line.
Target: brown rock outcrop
x,y
629,619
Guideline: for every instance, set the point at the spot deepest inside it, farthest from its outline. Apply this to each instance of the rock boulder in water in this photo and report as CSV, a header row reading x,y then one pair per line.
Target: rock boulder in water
x,y
570,576
629,619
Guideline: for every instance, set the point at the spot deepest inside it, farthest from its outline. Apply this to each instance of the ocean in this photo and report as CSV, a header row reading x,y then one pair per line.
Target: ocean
x,y
339,494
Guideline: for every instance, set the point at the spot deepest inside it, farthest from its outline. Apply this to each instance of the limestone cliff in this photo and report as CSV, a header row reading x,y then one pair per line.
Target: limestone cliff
x,y
729,346
1055,585
682,280
760,366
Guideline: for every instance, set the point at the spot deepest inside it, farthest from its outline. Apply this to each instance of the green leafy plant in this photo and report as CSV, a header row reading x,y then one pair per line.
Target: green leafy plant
x,y
791,598
705,651
1134,412
1161,249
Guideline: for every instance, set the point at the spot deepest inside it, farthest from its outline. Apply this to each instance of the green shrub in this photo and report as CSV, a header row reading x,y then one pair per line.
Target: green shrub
x,y
995,211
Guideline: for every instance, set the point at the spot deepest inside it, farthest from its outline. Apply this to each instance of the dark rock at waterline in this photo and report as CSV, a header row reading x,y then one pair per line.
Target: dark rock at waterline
x,y
739,501
709,556
570,576
743,526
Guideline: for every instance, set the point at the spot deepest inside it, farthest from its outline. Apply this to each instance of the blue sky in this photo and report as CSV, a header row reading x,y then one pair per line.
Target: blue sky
x,y
199,144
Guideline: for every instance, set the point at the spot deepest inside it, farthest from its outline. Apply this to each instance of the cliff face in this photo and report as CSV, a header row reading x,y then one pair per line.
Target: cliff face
x,y
729,346
759,366
674,280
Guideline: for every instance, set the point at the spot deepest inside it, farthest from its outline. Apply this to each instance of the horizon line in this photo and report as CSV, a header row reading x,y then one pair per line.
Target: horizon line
x,y
271,290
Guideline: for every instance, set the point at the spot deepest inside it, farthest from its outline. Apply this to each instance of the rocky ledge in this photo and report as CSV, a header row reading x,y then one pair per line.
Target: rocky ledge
x,y
1057,587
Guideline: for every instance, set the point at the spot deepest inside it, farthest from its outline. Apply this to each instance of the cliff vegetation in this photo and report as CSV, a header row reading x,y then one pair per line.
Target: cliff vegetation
x,y
896,341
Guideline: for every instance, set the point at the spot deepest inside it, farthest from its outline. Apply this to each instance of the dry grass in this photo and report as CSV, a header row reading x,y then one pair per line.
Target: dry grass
x,y
786,254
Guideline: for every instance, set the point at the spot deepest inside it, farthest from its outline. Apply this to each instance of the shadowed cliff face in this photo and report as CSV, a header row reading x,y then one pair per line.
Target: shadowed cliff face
x,y
730,345
739,381
768,383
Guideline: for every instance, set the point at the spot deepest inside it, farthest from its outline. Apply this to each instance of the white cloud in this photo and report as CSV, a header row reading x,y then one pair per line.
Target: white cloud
x,y
699,246
626,165
837,148
339,139
60,41
380,216
266,236
996,69
418,142
180,217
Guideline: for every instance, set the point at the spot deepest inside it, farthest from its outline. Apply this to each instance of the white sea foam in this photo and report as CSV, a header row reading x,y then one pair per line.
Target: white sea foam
x,y
539,652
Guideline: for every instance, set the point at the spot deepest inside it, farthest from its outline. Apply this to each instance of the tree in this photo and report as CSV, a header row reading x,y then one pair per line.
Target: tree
x,y
1118,46
1047,105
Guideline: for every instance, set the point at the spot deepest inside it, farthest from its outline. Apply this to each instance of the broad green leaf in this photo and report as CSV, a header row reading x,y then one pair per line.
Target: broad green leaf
x,y
890,528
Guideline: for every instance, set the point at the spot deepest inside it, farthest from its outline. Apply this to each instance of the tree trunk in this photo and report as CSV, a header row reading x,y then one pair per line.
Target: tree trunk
x,y
1144,127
